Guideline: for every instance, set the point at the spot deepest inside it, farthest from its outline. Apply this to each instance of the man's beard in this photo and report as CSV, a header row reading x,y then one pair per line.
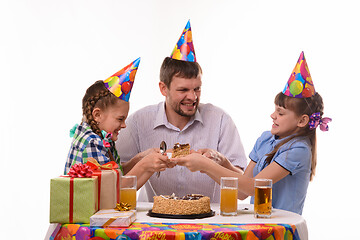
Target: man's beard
x,y
178,110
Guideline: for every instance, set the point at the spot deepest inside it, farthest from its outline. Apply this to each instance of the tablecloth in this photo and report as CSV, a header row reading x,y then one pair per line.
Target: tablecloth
x,y
282,225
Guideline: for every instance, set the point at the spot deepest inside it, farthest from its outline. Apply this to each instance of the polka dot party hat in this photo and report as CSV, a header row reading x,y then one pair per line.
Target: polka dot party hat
x,y
121,83
184,48
300,84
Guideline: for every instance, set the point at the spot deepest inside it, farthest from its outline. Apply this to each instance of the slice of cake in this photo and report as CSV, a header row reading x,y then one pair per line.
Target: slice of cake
x,y
180,150
187,205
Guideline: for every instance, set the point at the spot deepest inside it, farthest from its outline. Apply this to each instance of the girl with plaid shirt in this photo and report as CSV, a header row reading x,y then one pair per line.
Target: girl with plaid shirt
x,y
105,110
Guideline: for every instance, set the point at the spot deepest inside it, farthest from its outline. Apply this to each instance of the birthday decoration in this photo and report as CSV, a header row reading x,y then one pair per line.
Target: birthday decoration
x,y
300,84
184,48
73,200
186,231
121,82
110,218
109,182
95,165
123,206
80,171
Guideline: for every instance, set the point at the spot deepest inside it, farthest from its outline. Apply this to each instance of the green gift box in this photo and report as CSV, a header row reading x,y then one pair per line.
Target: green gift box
x,y
73,200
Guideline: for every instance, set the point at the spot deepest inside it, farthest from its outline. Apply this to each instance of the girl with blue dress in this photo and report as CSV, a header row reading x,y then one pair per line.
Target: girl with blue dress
x,y
287,153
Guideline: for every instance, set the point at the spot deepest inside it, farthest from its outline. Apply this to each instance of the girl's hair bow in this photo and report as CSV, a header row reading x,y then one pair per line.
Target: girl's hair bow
x,y
316,120
72,131
107,139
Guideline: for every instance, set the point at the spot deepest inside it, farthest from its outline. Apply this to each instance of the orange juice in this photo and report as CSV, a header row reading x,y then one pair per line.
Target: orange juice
x,y
228,201
128,195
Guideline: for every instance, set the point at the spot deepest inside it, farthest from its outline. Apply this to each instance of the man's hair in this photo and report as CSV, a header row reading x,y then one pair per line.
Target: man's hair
x,y
172,67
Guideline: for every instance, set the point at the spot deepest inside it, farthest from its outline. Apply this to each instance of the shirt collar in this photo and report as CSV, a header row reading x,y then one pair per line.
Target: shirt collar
x,y
161,119
275,139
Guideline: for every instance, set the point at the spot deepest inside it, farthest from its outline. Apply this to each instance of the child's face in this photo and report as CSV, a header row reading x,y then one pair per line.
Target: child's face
x,y
112,119
285,122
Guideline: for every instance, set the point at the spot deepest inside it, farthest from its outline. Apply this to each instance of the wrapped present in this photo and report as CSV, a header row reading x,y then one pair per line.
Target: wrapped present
x,y
107,188
109,182
112,218
73,200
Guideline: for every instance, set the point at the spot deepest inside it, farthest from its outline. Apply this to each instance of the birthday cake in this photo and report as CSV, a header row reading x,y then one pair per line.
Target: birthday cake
x,y
187,205
180,150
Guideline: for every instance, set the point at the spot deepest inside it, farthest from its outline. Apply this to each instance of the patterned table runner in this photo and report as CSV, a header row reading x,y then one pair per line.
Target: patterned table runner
x,y
177,231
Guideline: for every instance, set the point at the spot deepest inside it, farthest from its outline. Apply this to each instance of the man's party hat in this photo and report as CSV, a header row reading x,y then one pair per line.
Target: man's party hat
x,y
300,84
184,49
121,83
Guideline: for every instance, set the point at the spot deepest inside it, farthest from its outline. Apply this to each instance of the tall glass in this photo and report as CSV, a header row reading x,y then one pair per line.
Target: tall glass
x,y
229,196
263,198
128,186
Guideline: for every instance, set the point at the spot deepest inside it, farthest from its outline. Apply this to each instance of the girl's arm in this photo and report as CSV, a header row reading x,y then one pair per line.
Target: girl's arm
x,y
146,167
127,166
219,159
274,171
196,162
249,174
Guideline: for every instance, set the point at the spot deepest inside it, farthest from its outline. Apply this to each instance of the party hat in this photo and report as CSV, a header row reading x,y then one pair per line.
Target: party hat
x,y
184,48
300,84
121,83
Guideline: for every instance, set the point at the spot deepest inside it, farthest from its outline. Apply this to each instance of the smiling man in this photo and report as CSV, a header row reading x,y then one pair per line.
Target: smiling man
x,y
181,118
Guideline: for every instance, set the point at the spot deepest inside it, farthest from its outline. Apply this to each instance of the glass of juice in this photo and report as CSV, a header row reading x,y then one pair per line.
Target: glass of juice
x,y
128,186
263,198
229,196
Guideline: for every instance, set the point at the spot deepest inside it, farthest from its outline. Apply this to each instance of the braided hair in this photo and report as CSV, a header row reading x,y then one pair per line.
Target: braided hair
x,y
300,106
97,95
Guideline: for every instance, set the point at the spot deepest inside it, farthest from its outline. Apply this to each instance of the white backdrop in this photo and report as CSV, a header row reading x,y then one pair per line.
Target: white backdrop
x,y
51,51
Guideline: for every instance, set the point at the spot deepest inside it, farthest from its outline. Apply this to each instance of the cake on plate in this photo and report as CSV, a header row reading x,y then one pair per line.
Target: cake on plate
x,y
180,150
187,205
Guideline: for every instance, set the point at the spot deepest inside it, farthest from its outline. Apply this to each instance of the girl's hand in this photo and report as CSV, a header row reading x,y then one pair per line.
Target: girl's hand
x,y
155,162
148,151
194,162
213,155
143,154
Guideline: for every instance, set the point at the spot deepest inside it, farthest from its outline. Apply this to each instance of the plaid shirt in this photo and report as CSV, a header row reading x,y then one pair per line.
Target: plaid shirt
x,y
87,144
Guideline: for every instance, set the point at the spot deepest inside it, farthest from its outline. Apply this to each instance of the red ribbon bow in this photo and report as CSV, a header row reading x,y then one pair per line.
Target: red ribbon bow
x,y
80,171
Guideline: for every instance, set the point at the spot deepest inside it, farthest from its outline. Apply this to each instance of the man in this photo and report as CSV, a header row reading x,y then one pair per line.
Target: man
x,y
182,119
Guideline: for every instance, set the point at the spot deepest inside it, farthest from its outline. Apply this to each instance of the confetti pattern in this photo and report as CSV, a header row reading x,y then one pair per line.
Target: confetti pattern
x,y
184,49
121,83
300,84
179,231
